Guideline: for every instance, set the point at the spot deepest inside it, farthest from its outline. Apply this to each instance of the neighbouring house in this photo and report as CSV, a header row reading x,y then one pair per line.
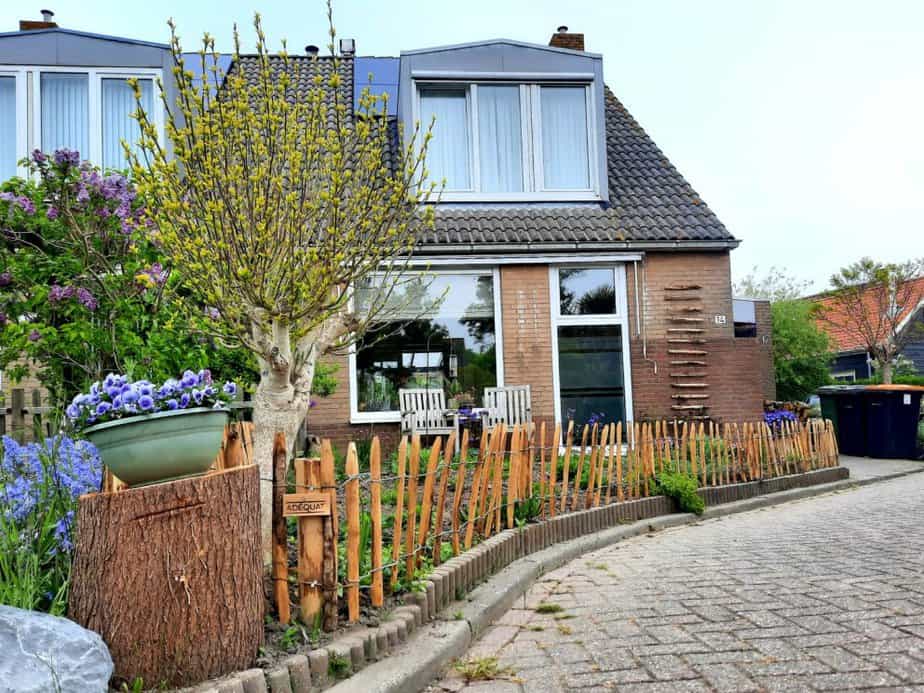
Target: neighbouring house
x,y
851,361
574,257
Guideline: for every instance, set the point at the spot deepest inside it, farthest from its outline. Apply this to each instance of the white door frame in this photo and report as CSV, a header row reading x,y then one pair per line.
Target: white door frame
x,y
620,317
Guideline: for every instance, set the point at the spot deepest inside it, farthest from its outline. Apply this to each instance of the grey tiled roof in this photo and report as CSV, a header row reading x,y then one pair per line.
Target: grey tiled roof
x,y
306,68
650,203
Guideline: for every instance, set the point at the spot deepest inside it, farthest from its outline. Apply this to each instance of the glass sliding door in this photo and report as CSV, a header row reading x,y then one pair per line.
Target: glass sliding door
x,y
589,334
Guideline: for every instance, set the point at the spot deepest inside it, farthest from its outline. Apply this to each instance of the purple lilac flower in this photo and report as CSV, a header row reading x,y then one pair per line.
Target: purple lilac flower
x,y
38,156
3,319
67,156
87,299
205,376
6,278
51,212
35,335
83,195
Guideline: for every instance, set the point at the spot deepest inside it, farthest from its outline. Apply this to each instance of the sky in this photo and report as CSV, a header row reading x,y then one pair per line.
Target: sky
x,y
800,122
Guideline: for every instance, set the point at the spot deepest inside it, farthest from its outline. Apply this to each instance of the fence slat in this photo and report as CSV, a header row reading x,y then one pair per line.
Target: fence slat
x,y
280,550
352,519
618,450
410,550
476,493
553,468
310,543
457,495
377,589
514,474
399,513
566,466
331,535
580,469
441,498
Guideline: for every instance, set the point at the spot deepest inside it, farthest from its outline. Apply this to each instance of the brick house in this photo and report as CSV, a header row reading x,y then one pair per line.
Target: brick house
x,y
577,259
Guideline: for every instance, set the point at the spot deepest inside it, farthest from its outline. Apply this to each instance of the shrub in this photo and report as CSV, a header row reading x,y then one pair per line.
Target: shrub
x,y
682,488
39,487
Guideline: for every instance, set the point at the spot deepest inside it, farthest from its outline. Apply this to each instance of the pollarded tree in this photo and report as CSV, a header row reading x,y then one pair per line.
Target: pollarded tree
x,y
279,201
876,303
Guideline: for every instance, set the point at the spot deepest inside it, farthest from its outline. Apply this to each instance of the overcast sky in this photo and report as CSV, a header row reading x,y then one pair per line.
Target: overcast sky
x,y
800,122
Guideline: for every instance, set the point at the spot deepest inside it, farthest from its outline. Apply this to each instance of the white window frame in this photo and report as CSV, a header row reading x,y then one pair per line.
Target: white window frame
x,y
22,120
366,417
29,104
620,317
531,141
847,376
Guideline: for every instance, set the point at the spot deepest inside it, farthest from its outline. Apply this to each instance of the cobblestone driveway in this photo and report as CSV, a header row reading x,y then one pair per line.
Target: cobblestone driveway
x,y
823,594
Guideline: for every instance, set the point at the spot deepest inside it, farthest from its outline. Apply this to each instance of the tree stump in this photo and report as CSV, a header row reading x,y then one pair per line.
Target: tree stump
x,y
170,575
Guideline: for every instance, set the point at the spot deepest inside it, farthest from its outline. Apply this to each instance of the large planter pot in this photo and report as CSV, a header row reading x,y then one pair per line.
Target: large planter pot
x,y
161,446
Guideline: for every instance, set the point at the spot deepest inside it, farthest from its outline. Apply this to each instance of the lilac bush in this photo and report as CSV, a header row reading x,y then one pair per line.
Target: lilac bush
x,y
117,397
39,487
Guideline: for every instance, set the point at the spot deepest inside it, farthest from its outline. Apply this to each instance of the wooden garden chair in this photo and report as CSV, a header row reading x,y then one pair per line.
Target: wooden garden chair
x,y
424,411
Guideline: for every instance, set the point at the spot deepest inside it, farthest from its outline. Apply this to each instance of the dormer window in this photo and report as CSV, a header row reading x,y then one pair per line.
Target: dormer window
x,y
508,141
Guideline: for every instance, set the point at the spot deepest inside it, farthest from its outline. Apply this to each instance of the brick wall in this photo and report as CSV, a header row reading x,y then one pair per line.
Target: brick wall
x,y
738,372
527,334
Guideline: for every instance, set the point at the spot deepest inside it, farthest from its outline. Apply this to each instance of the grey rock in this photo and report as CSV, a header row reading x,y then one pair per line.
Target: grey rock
x,y
40,653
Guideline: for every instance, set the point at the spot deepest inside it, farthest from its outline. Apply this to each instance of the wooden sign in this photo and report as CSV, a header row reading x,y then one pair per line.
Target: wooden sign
x,y
315,504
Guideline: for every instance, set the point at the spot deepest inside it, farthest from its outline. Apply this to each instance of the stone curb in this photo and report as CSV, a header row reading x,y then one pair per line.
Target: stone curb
x,y
393,658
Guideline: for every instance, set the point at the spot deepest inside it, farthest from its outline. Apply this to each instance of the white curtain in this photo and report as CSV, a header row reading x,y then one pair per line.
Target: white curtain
x,y
118,124
448,154
65,114
7,127
499,138
564,138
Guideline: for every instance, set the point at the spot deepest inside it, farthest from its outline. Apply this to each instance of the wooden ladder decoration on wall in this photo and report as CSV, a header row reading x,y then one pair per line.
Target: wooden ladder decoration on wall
x,y
686,350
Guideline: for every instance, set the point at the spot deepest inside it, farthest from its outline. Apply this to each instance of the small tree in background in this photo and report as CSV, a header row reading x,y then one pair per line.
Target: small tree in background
x,y
775,285
279,204
801,352
873,301
800,349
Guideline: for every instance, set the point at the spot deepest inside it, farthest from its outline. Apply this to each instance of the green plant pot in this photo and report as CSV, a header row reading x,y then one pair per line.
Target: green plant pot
x,y
158,447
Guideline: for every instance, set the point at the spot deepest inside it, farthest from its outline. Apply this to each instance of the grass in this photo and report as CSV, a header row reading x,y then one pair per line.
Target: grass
x,y
547,608
481,669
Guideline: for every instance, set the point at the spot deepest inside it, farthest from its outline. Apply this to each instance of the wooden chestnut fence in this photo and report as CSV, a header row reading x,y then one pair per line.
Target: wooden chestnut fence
x,y
404,515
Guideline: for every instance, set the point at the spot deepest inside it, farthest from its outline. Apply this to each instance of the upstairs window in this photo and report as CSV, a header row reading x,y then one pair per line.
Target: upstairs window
x,y
509,141
65,112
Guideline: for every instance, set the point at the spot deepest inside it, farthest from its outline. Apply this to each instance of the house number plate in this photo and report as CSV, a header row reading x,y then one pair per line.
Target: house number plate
x,y
315,504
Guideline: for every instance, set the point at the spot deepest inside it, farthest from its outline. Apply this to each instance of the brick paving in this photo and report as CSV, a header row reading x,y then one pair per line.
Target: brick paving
x,y
824,594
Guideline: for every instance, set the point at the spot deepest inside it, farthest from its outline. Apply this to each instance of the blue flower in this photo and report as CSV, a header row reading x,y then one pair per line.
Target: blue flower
x,y
103,408
171,404
189,379
198,395
184,400
230,389
129,396
72,411
146,402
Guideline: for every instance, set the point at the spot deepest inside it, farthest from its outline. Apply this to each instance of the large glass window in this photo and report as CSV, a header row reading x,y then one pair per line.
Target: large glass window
x,y
498,138
118,100
564,138
7,127
65,112
442,336
448,153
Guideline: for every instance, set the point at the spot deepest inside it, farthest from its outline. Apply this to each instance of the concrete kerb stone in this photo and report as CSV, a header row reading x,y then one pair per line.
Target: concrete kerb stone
x,y
253,681
299,673
318,663
278,681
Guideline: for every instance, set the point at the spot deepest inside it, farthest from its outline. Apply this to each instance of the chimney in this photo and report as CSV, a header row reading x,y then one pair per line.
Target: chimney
x,y
312,50
47,22
563,39
347,46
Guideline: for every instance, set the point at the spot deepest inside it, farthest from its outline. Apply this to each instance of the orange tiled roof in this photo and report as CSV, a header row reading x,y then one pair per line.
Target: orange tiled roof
x,y
846,340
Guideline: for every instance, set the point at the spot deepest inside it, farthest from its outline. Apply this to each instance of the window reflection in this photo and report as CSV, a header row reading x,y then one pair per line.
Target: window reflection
x,y
587,291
